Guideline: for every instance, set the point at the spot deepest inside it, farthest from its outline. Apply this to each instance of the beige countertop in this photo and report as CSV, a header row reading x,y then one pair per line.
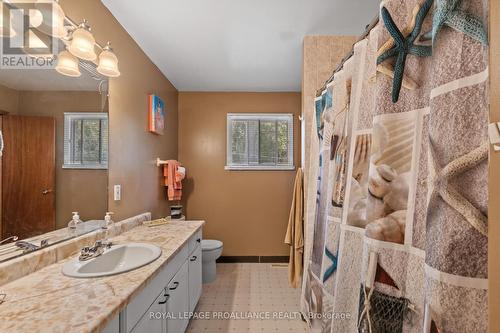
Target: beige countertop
x,y
48,301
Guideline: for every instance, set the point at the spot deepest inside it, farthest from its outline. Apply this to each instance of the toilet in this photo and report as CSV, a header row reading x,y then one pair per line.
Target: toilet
x,y
211,251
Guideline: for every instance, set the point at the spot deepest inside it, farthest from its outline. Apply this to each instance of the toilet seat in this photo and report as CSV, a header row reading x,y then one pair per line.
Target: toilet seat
x,y
210,244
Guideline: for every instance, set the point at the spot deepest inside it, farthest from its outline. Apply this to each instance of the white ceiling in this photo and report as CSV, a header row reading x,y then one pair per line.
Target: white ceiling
x,y
235,45
46,80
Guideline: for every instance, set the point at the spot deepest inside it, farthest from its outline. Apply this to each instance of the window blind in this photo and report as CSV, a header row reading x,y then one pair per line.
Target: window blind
x,y
259,141
85,140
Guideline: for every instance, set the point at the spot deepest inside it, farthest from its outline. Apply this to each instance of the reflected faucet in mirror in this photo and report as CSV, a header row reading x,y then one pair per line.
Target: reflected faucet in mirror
x,y
9,239
28,247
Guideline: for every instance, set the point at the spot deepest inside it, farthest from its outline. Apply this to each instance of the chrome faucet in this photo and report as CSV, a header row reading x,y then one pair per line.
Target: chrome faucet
x,y
9,239
95,251
28,247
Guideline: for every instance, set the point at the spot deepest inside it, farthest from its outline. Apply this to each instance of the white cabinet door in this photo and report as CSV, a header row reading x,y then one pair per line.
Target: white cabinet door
x,y
138,306
113,326
195,275
153,320
178,303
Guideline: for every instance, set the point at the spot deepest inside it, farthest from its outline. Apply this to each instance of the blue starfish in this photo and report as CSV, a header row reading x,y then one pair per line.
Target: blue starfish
x,y
329,272
319,110
404,46
448,13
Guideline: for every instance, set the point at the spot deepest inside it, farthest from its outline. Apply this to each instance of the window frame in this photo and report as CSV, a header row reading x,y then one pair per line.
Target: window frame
x,y
231,117
68,140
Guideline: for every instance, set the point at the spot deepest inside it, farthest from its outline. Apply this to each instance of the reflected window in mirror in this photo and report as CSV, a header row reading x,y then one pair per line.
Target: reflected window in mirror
x,y
85,140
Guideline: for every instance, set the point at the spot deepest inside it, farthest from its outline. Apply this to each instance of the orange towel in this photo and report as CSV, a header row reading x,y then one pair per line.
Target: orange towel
x,y
174,187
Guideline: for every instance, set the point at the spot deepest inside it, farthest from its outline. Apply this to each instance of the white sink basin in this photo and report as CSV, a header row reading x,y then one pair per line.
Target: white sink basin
x,y
118,259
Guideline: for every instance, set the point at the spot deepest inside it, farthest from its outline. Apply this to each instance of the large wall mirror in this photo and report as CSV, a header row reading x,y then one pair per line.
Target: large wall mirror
x,y
54,156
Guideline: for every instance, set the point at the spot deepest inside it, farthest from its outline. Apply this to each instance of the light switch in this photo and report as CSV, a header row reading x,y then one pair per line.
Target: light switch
x,y
118,192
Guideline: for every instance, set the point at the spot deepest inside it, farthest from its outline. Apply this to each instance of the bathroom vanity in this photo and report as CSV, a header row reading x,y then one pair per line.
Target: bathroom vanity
x,y
154,298
164,305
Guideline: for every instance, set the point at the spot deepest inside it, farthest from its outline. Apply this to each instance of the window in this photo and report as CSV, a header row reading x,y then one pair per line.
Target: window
x,y
85,140
259,141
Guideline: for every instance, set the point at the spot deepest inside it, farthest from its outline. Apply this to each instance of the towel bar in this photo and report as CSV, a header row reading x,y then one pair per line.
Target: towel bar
x,y
160,162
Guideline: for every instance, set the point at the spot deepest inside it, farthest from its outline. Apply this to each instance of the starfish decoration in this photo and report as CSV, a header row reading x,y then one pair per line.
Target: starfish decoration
x,y
319,110
388,69
329,272
448,13
404,46
441,186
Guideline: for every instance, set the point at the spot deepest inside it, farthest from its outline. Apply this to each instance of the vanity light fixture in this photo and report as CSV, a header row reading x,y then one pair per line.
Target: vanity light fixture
x,y
83,43
108,62
49,18
68,64
52,18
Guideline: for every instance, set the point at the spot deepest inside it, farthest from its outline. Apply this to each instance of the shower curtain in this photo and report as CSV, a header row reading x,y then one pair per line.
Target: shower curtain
x,y
403,182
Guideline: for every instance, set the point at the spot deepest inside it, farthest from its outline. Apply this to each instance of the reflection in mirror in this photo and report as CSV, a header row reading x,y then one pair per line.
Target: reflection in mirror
x,y
54,156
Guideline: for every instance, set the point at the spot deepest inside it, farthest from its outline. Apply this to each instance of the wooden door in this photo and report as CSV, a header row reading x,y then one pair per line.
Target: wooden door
x,y
28,176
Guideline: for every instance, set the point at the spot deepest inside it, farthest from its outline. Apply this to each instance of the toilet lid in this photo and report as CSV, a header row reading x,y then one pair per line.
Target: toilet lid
x,y
210,244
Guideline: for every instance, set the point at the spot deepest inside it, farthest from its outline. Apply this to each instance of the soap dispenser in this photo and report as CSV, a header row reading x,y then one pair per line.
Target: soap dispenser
x,y
108,222
74,223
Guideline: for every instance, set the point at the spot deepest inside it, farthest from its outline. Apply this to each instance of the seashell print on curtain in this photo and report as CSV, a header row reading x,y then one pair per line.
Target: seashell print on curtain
x,y
405,180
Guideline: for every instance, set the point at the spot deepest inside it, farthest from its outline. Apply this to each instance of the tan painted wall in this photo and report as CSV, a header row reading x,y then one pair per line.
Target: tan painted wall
x,y
85,191
246,210
494,177
133,149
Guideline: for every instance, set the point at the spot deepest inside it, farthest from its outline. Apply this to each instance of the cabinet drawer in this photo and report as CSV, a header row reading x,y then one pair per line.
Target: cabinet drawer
x,y
150,323
178,302
194,278
195,241
143,301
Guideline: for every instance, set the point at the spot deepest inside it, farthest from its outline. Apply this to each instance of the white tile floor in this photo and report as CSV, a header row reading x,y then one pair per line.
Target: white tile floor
x,y
249,290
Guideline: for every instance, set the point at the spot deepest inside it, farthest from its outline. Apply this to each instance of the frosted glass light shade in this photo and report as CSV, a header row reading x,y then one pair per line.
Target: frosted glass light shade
x,y
108,63
68,64
82,45
53,18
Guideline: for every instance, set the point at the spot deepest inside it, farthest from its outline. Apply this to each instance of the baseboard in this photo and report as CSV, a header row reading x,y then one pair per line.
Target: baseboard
x,y
253,259
274,259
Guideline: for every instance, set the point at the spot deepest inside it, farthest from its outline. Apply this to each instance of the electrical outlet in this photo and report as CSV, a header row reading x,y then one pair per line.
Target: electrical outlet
x,y
117,192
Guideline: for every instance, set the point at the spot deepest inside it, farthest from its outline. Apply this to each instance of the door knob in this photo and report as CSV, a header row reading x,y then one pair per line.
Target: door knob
x,y
47,191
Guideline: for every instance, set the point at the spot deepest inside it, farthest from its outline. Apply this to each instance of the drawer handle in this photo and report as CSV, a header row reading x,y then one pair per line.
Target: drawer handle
x,y
198,240
167,296
193,258
176,284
